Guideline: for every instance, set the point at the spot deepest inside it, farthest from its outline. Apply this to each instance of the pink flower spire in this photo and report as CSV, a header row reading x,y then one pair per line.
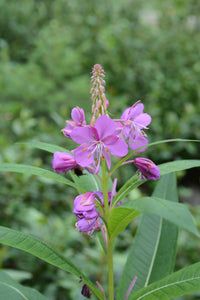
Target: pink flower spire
x,y
100,103
97,142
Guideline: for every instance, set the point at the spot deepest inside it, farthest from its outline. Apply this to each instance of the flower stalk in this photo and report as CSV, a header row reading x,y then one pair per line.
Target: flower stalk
x,y
109,239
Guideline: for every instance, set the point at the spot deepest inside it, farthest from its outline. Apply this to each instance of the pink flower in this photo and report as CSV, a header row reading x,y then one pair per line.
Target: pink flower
x,y
85,210
63,162
86,213
148,170
96,142
78,117
134,120
138,140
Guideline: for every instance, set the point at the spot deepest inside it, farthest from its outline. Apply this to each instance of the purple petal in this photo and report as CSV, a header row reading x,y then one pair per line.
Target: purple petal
x,y
107,158
147,168
124,115
78,115
90,214
82,135
110,140
105,126
83,155
138,141
86,225
143,120
67,130
135,111
126,131
63,162
116,146
84,202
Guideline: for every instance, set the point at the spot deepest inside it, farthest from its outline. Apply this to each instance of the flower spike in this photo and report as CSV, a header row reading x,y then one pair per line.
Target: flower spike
x,y
100,103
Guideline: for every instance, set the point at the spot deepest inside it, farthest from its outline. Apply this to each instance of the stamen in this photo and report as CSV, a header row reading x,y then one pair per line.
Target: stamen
x,y
89,155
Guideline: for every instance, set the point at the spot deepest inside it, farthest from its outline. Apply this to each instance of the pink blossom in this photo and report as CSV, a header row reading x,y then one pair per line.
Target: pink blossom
x,y
138,140
133,122
86,213
96,142
134,119
85,210
148,170
63,162
78,117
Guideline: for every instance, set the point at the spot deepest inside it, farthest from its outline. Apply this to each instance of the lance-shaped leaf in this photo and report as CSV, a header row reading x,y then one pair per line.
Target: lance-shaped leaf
x,y
45,146
170,141
119,219
86,181
176,213
165,168
180,283
12,290
152,254
30,170
40,249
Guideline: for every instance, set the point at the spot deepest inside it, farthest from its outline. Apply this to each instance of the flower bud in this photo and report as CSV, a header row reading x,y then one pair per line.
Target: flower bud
x,y
78,116
63,162
148,170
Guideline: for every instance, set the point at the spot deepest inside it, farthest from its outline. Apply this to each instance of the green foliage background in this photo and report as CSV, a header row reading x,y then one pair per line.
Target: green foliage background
x,y
149,50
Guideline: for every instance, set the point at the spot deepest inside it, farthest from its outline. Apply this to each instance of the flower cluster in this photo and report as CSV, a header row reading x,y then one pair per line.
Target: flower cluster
x,y
86,213
98,141
85,209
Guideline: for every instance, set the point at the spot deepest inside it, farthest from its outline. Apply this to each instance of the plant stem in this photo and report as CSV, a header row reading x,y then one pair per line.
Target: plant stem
x,y
109,240
105,188
110,269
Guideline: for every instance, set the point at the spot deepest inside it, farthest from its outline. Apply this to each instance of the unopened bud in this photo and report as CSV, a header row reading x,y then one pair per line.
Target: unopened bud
x,y
99,104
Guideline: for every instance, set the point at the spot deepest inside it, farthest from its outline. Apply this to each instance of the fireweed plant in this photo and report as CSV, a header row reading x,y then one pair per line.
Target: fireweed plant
x,y
103,212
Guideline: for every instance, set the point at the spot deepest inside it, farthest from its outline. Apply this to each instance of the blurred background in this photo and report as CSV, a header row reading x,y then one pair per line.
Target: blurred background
x,y
150,50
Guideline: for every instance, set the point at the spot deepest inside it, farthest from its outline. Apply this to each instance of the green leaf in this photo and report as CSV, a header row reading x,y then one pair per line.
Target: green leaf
x,y
130,185
178,165
87,182
152,254
18,275
180,283
26,169
10,289
165,168
45,146
167,243
176,213
119,219
169,141
40,249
